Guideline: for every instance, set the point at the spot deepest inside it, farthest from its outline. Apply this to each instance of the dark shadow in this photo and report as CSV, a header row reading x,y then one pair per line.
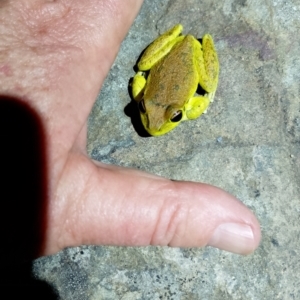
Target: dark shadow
x,y
23,196
19,283
131,110
200,40
200,90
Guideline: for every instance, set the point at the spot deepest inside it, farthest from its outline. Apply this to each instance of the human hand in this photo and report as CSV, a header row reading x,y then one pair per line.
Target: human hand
x,y
54,55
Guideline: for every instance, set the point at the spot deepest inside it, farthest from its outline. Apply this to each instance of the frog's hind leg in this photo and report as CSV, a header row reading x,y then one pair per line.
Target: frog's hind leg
x,y
196,107
160,47
208,64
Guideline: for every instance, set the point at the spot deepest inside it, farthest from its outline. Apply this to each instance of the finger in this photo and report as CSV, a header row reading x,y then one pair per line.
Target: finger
x,y
65,49
113,207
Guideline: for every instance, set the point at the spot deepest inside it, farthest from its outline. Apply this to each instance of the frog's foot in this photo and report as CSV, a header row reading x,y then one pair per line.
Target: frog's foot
x,y
138,86
196,107
160,47
208,64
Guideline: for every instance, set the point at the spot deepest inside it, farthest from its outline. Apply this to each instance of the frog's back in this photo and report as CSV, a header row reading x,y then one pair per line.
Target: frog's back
x,y
174,79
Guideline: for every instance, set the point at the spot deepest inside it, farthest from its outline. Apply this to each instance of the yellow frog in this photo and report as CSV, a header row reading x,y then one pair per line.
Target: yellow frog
x,y
169,72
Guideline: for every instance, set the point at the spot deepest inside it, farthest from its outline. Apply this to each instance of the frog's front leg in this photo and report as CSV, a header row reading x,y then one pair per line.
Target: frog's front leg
x,y
138,86
208,64
196,106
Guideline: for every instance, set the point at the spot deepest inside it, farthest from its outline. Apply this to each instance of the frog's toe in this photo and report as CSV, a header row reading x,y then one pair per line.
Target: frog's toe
x,y
211,96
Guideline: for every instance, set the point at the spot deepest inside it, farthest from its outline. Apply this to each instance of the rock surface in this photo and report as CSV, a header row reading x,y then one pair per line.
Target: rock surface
x,y
247,144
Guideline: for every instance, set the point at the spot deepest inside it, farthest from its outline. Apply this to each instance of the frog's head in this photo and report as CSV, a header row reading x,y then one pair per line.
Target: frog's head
x,y
159,119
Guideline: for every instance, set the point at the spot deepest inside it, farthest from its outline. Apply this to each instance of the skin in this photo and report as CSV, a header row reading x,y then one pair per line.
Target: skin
x,y
90,202
177,64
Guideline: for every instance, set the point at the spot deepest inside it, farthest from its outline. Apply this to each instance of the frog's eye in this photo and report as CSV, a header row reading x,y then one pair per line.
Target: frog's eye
x,y
142,107
177,116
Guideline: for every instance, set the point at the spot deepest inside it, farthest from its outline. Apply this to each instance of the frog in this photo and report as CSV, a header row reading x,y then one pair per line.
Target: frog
x,y
169,73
